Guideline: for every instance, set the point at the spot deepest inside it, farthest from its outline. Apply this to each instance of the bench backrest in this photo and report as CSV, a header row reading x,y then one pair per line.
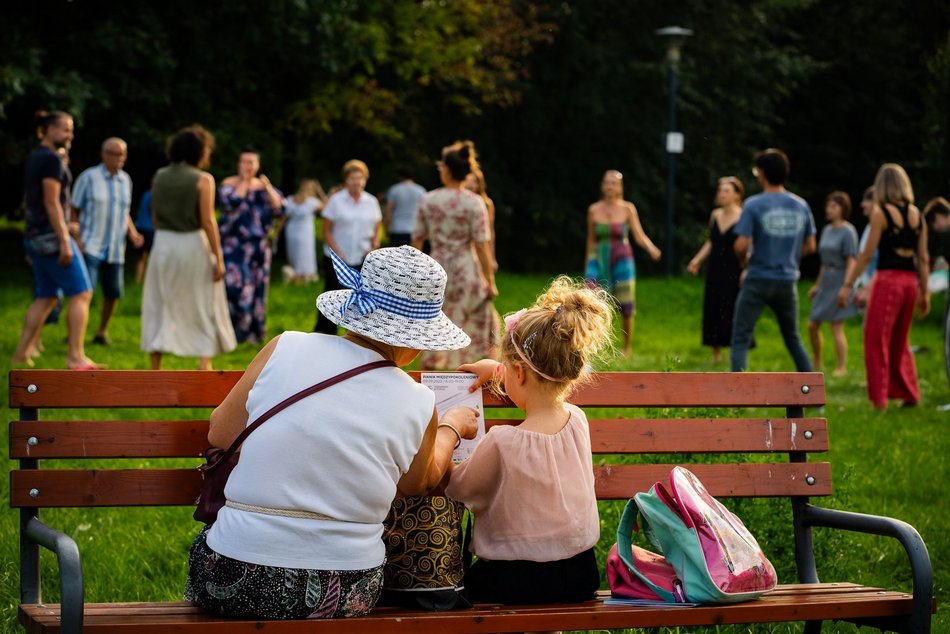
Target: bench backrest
x,y
778,440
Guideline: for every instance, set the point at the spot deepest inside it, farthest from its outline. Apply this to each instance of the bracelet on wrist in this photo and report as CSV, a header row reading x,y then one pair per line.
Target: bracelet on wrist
x,y
458,436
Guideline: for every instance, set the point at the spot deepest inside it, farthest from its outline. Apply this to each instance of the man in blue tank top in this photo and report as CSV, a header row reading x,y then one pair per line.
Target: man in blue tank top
x,y
775,230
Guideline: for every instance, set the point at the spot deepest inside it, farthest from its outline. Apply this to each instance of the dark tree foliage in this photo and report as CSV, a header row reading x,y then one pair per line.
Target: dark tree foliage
x,y
553,93
309,82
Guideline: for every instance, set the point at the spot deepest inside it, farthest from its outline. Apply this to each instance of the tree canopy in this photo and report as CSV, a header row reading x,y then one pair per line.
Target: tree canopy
x,y
552,93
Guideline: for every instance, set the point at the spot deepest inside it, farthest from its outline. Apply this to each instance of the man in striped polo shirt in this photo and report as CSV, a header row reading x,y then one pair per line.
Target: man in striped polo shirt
x,y
102,196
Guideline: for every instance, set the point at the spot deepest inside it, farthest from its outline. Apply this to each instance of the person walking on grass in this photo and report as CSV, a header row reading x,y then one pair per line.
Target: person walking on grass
x,y
863,285
722,275
609,255
145,227
298,227
775,230
102,198
54,254
184,305
838,248
402,204
899,234
249,207
455,222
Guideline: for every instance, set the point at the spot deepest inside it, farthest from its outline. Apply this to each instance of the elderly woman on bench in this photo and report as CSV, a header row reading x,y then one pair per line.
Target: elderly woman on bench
x,y
300,536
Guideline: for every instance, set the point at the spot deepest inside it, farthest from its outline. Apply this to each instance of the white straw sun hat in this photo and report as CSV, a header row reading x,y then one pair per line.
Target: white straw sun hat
x,y
395,299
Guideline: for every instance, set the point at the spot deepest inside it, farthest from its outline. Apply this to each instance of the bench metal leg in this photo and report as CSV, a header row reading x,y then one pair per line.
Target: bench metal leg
x,y
70,572
29,560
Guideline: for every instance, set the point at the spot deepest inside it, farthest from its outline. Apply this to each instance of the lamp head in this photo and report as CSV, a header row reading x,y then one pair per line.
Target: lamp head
x,y
675,36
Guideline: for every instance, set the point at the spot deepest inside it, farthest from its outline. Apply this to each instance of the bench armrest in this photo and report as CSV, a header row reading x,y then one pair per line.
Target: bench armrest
x,y
907,535
70,572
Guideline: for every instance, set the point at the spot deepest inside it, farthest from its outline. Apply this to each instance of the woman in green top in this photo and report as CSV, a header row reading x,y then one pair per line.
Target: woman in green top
x,y
184,307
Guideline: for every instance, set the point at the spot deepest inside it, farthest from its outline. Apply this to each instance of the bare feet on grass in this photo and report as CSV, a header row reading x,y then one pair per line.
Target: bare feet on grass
x,y
24,361
83,363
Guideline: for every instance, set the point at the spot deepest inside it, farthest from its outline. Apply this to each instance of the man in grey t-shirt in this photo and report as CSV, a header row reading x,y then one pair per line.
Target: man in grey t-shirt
x,y
402,203
780,228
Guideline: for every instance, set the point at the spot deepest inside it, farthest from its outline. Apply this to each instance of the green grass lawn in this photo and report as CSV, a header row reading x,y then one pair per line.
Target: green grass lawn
x,y
891,463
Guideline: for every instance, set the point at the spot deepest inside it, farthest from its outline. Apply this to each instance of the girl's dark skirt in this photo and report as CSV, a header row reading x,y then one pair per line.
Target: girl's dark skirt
x,y
519,582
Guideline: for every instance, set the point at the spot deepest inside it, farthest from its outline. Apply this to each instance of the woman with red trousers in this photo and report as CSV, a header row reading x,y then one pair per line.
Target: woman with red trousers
x,y
899,233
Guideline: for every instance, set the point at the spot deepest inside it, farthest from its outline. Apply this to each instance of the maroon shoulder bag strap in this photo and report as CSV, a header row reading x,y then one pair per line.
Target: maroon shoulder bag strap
x,y
313,389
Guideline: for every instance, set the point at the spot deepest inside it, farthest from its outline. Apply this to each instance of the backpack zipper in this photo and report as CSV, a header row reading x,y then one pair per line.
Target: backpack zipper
x,y
678,592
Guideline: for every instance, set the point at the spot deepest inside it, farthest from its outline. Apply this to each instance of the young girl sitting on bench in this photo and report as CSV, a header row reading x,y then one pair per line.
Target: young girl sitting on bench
x,y
531,486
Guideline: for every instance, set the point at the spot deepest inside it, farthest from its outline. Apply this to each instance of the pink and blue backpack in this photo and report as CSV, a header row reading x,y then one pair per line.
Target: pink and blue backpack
x,y
707,554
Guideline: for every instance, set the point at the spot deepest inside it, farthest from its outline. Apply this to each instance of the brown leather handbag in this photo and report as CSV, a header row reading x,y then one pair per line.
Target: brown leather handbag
x,y
219,463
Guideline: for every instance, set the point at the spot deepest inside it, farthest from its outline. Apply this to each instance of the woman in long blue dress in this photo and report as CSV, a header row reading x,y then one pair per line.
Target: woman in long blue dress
x,y
249,207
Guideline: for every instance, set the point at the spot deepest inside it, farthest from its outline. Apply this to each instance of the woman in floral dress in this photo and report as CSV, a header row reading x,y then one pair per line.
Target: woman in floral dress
x,y
249,206
455,221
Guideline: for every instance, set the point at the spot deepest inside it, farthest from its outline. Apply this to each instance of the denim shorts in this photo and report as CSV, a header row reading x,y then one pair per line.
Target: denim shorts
x,y
50,278
110,273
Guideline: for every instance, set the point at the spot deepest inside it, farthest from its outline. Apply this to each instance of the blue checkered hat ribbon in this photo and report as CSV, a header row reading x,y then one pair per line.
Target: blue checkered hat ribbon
x,y
369,299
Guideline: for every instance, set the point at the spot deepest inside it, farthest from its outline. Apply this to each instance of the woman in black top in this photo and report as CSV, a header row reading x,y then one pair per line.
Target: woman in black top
x,y
722,275
900,235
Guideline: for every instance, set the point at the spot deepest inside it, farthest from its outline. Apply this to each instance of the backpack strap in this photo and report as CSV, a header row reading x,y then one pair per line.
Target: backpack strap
x,y
313,389
627,526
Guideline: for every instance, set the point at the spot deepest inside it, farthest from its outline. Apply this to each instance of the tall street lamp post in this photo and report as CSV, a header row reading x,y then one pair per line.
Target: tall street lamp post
x,y
674,140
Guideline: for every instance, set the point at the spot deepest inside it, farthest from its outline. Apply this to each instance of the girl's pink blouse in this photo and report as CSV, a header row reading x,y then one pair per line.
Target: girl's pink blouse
x,y
532,493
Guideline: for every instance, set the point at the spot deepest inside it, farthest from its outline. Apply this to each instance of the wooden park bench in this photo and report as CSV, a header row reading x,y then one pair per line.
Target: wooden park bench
x,y
759,456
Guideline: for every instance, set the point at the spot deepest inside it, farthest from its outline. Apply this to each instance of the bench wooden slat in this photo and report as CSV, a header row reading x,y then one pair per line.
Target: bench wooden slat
x,y
788,603
708,435
104,487
619,482
124,388
189,438
703,389
179,487
181,388
108,439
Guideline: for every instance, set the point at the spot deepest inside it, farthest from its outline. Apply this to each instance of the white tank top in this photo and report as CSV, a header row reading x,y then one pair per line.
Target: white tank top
x,y
339,453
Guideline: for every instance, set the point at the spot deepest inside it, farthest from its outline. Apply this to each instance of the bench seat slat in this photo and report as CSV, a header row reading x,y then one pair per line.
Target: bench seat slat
x,y
179,487
131,388
788,603
189,438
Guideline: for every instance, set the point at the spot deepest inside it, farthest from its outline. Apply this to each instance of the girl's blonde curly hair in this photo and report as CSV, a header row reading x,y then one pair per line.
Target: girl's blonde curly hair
x,y
569,325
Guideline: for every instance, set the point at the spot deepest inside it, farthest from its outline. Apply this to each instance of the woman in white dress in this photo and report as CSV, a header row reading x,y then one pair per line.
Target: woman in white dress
x,y
299,231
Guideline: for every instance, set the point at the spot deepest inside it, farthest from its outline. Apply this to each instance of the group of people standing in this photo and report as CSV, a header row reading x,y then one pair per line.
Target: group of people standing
x,y
754,251
75,237
206,274
453,220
